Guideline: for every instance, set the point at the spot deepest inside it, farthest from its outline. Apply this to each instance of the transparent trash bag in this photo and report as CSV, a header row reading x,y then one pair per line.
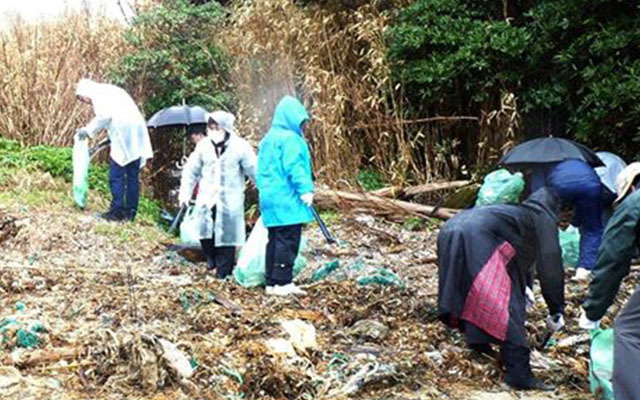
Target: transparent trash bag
x,y
80,172
189,227
250,268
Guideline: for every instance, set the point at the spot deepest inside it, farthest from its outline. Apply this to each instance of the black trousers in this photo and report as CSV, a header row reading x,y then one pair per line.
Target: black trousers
x,y
221,258
515,356
282,250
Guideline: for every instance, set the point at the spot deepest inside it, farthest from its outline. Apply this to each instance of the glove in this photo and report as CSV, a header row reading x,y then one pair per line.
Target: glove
x,y
529,297
555,322
307,199
82,134
586,323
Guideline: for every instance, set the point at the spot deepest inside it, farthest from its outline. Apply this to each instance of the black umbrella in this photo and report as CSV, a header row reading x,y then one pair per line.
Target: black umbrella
x,y
547,150
178,116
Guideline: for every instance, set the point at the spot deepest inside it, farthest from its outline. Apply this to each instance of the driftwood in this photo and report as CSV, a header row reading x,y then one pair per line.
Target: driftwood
x,y
379,205
39,357
398,191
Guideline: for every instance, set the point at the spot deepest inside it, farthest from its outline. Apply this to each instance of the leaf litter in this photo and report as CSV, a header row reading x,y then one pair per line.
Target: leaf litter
x,y
123,318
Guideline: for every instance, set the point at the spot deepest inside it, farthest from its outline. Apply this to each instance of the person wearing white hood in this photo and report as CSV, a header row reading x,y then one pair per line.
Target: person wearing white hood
x,y
116,112
220,163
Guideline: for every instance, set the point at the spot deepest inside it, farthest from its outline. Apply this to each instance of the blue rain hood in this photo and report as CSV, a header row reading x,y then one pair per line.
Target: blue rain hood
x,y
289,115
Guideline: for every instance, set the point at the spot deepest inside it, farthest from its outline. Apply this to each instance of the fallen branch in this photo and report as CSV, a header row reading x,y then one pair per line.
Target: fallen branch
x,y
398,191
39,357
377,204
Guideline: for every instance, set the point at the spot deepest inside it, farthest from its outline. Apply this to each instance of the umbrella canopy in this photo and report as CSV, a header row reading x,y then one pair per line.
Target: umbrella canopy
x,y
178,116
548,150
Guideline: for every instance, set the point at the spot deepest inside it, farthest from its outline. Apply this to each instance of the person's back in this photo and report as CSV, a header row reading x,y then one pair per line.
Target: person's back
x,y
130,144
571,172
577,184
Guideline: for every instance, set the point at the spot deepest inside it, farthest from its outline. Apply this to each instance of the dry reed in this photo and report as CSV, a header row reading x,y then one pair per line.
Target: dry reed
x,y
40,65
335,60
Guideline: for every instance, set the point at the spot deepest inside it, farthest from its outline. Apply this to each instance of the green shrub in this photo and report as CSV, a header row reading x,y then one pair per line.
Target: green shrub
x,y
174,58
370,179
575,60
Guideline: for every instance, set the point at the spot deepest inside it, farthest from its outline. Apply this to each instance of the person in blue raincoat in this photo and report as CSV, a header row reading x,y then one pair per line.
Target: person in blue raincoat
x,y
578,184
285,187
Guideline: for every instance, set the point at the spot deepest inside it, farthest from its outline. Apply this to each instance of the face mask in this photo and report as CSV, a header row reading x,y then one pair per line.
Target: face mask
x,y
215,132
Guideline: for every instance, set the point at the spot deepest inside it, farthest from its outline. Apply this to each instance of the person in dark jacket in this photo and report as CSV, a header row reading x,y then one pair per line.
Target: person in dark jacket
x,y
619,246
578,184
485,258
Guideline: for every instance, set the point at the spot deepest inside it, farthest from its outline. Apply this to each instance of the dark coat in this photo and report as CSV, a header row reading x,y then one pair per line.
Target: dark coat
x,y
467,241
619,246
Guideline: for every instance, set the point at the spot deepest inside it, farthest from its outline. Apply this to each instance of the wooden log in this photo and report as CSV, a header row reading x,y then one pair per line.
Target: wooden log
x,y
39,357
347,200
398,191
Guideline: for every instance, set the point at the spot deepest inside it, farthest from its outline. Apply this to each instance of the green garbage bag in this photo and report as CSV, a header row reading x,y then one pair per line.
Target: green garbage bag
x,y
570,245
250,268
80,172
500,187
601,362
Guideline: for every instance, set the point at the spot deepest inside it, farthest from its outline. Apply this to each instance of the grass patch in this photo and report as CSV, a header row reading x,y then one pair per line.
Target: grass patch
x,y
57,162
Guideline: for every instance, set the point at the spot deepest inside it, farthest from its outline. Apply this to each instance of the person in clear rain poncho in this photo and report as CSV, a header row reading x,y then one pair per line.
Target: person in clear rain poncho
x,y
220,163
116,112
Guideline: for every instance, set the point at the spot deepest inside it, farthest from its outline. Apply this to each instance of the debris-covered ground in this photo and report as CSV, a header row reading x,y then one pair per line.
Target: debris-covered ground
x,y
93,309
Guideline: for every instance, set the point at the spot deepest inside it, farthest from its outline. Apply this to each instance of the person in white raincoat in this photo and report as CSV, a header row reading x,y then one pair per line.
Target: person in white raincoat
x,y
116,112
220,163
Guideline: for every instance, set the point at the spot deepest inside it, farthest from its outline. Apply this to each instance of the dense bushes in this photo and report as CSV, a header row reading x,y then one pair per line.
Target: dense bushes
x,y
174,59
570,61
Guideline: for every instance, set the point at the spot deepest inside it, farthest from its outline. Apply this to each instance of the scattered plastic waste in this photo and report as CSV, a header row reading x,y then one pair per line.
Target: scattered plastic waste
x,y
325,270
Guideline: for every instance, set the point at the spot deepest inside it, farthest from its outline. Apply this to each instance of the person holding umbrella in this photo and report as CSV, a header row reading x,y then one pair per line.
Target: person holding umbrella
x,y
220,163
485,260
285,188
566,167
619,246
116,112
578,184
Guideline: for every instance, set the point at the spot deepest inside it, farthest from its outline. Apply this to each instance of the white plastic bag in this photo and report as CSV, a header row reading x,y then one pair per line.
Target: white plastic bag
x,y
250,268
189,227
80,171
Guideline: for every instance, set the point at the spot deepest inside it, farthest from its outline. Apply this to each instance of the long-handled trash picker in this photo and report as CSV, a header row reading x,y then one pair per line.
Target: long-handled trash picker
x,y
325,232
